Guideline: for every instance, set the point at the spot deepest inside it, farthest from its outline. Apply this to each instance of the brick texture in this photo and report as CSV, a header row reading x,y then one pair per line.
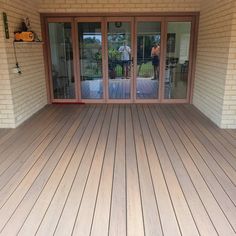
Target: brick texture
x,y
214,90
21,95
118,5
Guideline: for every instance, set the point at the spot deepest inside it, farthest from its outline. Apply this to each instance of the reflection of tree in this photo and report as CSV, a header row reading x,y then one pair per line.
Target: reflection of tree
x,y
92,40
114,60
113,54
90,47
118,38
91,57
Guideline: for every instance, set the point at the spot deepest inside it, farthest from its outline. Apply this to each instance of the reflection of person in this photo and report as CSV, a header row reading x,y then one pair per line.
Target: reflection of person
x,y
125,57
155,54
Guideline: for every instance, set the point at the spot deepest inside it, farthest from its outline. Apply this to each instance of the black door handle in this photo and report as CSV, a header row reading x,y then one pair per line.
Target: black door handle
x,y
132,61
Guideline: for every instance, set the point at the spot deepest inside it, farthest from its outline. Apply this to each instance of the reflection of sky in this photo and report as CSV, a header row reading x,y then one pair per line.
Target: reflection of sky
x,y
92,36
98,37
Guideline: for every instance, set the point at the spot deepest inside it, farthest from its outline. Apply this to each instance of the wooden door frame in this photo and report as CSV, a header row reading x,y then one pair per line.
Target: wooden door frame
x,y
165,16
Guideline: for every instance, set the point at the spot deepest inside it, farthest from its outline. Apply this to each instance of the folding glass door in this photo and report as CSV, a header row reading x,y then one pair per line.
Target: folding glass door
x,y
119,53
120,59
61,53
178,58
148,73
91,58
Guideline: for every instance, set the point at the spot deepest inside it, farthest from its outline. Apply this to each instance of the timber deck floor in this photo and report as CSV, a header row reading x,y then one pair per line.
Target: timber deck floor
x,y
118,170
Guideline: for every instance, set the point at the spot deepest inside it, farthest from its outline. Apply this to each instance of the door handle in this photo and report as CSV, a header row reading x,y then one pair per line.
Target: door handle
x,y
132,61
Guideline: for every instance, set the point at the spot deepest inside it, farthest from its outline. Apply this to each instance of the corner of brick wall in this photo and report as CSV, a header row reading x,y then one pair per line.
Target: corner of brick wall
x,y
229,103
214,77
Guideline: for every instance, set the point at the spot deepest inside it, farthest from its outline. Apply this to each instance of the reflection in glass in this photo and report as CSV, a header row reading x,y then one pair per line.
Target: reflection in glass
x,y
177,60
90,51
119,59
61,60
148,59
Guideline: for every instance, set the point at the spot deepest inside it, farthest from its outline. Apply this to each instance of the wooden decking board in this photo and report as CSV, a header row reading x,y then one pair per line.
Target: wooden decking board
x,y
229,137
218,208
34,165
34,159
168,219
17,144
196,206
17,158
100,224
232,133
28,191
45,204
215,142
12,132
49,223
220,158
183,214
118,200
135,205
15,135
3,132
118,170
150,215
225,134
179,170
60,191
202,157
85,214
216,132
81,171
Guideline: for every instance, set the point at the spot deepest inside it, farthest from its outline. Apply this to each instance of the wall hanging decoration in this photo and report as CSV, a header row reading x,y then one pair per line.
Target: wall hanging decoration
x,y
5,22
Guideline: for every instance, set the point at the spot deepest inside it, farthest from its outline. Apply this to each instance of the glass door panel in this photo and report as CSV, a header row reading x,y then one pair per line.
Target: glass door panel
x,y
119,59
61,55
90,57
177,60
148,60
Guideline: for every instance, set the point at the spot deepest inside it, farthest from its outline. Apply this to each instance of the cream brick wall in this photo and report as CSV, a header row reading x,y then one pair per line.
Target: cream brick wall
x,y
214,90
118,5
26,92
